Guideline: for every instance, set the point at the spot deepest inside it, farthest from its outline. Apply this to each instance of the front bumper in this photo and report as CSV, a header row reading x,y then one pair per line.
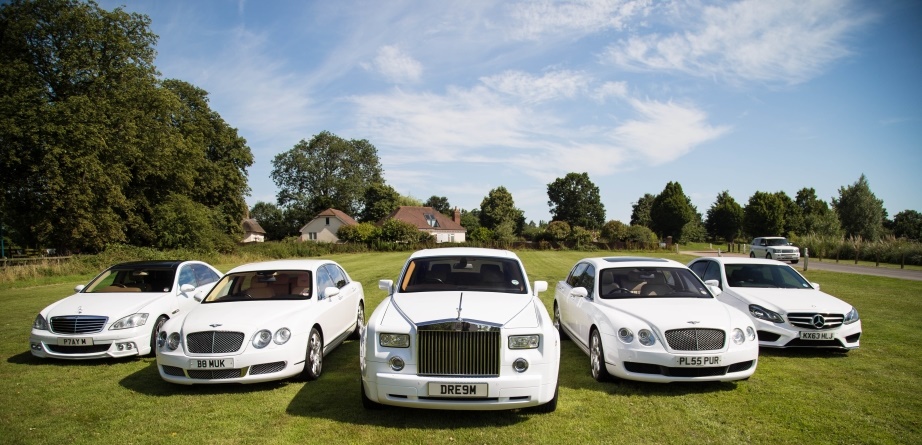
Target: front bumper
x,y
250,366
106,344
784,335
661,366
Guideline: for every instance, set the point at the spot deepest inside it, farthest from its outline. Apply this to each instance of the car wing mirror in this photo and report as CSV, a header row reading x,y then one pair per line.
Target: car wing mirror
x,y
815,285
330,292
186,288
386,285
579,292
714,287
198,297
79,288
540,286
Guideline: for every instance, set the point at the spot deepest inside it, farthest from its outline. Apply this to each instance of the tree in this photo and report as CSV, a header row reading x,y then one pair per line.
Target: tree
x,y
327,172
860,212
440,204
614,230
271,219
793,216
397,231
498,208
693,232
908,224
181,222
575,200
764,215
379,201
724,218
641,235
670,211
640,210
558,230
470,220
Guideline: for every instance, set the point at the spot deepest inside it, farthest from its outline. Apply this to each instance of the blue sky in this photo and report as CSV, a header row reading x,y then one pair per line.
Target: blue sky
x,y
462,97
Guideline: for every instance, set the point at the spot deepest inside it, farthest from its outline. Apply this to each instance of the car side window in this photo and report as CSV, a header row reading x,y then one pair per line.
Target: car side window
x,y
324,280
587,279
712,272
574,279
187,276
699,267
337,275
204,275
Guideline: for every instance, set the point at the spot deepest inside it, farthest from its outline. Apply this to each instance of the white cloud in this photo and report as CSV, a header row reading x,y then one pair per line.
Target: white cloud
x,y
782,41
533,20
664,132
532,89
396,65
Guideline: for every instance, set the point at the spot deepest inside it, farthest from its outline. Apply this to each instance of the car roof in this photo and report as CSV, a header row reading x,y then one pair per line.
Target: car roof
x,y
464,251
631,261
300,264
740,260
159,264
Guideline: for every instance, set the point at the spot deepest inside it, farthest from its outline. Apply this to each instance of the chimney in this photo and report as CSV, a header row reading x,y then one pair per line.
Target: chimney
x,y
456,217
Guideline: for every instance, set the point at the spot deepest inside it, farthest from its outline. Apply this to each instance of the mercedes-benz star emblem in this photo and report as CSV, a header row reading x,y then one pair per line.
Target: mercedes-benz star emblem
x,y
818,321
79,309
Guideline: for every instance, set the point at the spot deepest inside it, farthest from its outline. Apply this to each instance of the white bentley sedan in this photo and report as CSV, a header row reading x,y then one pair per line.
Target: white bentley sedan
x,y
263,321
120,311
788,311
461,329
652,320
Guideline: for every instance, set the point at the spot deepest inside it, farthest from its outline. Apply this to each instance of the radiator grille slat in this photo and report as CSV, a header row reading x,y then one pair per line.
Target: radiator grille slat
x,y
78,324
814,320
214,342
695,339
459,353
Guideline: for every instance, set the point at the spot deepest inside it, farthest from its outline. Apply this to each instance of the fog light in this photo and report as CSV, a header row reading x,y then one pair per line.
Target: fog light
x,y
520,365
396,363
36,346
120,346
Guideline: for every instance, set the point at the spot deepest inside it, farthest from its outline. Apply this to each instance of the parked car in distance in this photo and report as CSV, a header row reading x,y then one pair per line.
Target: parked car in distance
x,y
788,311
774,248
120,311
652,320
263,321
461,329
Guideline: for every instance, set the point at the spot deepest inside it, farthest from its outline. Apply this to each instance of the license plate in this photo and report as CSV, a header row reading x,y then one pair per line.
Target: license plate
x,y
698,361
213,363
818,335
88,341
458,390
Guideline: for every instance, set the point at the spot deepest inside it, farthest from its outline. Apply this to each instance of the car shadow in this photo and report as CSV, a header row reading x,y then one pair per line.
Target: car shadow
x,y
26,358
147,381
830,353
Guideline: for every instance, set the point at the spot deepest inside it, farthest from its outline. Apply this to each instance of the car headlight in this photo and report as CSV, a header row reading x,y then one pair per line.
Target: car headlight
x,y
625,335
262,338
646,337
394,340
850,317
750,333
738,336
765,314
42,325
172,341
281,336
523,341
131,321
161,339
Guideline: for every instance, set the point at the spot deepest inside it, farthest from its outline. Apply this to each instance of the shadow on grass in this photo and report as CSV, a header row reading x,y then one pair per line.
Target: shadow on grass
x,y
147,381
26,358
829,353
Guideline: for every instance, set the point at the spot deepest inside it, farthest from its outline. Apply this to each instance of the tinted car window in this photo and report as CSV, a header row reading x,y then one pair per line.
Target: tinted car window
x,y
204,275
337,275
324,280
575,274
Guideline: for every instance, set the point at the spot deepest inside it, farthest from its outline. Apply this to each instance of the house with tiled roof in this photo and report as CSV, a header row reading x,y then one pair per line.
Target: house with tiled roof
x,y
429,220
252,231
323,227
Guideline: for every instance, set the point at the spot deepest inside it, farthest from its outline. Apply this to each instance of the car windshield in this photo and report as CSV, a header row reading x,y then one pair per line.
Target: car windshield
x,y
765,275
132,279
650,282
451,273
272,285
776,242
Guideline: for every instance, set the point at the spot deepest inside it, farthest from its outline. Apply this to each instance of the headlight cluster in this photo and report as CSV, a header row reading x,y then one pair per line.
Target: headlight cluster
x,y
394,340
170,341
524,341
850,317
765,314
40,323
646,337
739,337
263,337
131,321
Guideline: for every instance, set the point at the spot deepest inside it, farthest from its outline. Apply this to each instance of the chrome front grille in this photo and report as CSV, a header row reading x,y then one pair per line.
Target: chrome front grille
x,y
214,342
813,320
459,353
78,324
695,339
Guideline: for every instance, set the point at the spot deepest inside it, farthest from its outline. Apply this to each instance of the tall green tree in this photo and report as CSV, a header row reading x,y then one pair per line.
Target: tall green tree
x,y
272,219
640,211
440,204
818,217
379,201
671,211
764,215
575,200
724,218
327,171
908,224
793,215
860,212
498,208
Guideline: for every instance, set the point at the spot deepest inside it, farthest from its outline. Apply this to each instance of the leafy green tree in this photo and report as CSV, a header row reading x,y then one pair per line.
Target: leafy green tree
x,y
640,211
181,222
764,215
642,235
724,218
498,208
379,201
328,171
481,234
408,201
693,232
614,230
470,220
818,218
558,230
440,204
908,224
271,218
671,210
793,215
576,200
860,212
396,231
581,236
363,232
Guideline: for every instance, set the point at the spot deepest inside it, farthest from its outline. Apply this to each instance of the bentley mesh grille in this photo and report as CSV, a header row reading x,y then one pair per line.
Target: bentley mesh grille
x,y
695,339
813,320
78,324
459,353
173,371
214,374
214,342
267,368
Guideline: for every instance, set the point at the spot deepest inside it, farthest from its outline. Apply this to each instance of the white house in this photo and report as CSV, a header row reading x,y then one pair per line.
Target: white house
x,y
429,220
324,226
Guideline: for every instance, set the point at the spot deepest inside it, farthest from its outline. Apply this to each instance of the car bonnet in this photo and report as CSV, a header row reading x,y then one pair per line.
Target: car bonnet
x,y
491,307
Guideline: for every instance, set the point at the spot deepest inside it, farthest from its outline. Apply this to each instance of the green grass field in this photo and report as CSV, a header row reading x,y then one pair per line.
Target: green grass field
x,y
870,395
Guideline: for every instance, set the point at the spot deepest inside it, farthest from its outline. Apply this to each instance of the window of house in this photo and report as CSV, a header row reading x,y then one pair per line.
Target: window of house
x,y
312,236
430,219
328,220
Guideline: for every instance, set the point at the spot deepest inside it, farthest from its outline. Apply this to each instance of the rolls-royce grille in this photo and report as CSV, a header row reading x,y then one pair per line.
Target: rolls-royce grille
x,y
78,324
459,353
695,339
813,320
214,342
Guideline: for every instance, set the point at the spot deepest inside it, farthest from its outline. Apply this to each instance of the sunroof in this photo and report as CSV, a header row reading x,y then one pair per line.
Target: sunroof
x,y
631,259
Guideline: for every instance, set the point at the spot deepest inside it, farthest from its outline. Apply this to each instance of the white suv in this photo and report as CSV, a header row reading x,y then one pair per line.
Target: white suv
x,y
774,248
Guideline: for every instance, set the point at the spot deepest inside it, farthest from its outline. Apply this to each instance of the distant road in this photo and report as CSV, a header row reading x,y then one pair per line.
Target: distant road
x,y
832,266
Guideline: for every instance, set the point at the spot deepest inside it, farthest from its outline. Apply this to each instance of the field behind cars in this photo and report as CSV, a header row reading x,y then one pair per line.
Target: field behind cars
x,y
870,395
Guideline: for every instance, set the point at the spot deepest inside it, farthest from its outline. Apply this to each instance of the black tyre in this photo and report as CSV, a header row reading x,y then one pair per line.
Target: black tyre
x,y
768,256
597,357
795,261
313,359
359,322
557,325
153,334
752,254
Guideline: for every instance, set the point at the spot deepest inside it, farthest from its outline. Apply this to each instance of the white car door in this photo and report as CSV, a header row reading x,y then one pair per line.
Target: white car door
x,y
582,306
340,312
568,301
